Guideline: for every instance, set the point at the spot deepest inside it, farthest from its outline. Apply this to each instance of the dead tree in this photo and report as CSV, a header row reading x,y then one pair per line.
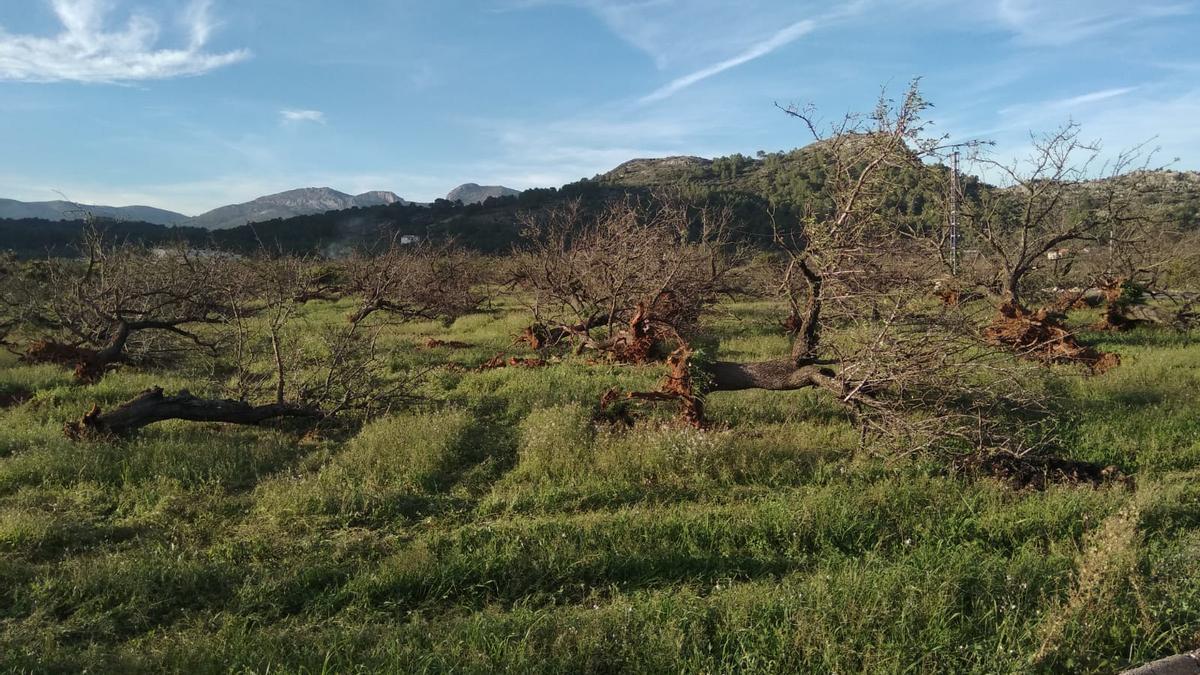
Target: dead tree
x,y
860,324
117,304
625,279
1048,211
422,281
1145,272
275,362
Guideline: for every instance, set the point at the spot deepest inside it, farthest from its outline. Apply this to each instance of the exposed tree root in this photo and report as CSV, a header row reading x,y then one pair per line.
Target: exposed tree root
x,y
678,386
641,341
1041,335
540,336
89,365
1125,308
152,406
1038,473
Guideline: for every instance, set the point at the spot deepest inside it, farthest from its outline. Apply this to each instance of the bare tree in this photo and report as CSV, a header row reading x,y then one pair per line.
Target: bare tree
x,y
118,303
638,272
416,281
1058,199
833,261
275,361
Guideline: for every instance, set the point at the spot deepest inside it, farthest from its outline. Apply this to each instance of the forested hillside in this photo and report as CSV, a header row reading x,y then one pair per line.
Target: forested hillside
x,y
787,184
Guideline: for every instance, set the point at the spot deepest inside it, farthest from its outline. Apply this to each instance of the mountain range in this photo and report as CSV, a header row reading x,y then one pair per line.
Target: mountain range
x,y
287,204
473,193
64,210
300,202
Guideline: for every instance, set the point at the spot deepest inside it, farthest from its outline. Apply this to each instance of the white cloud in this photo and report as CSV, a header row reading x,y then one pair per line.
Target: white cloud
x,y
783,37
679,34
1065,22
703,38
87,51
292,115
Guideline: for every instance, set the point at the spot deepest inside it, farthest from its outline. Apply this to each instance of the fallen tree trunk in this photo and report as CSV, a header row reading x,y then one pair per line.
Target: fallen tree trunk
x,y
678,385
779,375
1180,664
152,406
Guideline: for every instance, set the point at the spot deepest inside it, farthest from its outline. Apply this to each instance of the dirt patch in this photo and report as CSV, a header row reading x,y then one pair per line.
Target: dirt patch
x,y
953,297
1038,473
1041,335
499,361
434,343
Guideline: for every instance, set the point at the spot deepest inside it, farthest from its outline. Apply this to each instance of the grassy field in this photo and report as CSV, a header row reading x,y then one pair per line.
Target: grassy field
x,y
495,527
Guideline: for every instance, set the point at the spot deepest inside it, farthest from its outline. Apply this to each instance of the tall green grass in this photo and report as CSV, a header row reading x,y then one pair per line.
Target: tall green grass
x,y
499,526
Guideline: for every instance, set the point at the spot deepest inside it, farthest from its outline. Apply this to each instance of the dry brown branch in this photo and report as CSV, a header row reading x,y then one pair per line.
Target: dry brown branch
x,y
119,304
627,279
423,281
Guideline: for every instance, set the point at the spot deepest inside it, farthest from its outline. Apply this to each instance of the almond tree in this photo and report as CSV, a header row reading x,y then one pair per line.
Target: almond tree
x,y
860,322
416,281
624,279
118,303
274,363
1048,204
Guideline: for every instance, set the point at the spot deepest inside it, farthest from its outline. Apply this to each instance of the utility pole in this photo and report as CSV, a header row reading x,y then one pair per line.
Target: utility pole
x,y
955,191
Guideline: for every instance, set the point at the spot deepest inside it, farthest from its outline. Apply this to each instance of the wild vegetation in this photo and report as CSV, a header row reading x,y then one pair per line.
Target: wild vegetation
x,y
418,458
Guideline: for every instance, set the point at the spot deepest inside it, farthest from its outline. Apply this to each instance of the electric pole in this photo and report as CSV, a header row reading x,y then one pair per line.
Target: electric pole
x,y
954,197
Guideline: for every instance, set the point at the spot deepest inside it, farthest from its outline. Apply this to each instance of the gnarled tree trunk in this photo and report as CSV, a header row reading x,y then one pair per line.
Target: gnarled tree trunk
x,y
1180,664
153,406
778,375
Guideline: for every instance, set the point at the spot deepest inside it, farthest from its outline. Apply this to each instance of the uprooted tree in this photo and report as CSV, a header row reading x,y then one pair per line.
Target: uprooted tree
x,y
860,322
1145,271
626,279
1053,209
117,304
275,361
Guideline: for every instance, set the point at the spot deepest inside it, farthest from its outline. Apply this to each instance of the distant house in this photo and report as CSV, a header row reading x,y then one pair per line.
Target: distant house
x,y
1058,254
406,239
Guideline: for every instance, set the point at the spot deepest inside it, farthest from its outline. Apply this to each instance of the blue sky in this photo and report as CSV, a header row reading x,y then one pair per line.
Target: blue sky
x,y
190,104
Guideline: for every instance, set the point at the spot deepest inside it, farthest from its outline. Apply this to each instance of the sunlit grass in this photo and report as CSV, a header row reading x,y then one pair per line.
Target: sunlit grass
x,y
497,526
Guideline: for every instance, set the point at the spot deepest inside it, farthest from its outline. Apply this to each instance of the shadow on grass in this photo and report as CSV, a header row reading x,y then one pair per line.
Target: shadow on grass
x,y
1144,338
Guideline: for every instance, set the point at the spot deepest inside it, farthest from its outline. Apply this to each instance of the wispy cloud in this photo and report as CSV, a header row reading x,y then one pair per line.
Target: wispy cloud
x,y
294,116
679,34
86,51
1057,107
779,39
1065,22
554,151
1093,97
